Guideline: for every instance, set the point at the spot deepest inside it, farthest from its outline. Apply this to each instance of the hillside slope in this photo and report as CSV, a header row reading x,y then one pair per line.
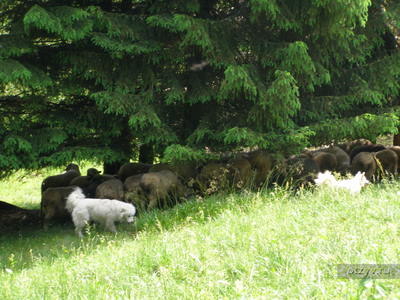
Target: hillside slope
x,y
247,245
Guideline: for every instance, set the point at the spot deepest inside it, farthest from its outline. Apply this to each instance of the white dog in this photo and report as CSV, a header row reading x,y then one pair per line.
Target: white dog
x,y
103,211
353,184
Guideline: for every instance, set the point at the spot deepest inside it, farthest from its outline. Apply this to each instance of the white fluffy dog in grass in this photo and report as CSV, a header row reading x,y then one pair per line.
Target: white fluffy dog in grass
x,y
103,211
353,185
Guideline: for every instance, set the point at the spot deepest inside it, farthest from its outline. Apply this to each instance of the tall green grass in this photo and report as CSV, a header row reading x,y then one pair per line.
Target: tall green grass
x,y
270,244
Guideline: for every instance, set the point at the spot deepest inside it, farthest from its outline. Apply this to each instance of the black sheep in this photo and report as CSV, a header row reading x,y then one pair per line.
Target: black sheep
x,y
64,179
366,148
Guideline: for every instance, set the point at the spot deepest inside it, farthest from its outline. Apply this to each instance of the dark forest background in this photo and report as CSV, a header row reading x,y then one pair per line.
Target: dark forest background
x,y
121,80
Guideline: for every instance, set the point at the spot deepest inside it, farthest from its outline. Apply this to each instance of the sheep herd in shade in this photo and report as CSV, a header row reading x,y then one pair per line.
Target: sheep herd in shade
x,y
149,186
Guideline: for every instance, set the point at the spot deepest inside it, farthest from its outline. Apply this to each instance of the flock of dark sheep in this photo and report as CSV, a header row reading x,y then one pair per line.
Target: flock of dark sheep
x,y
149,186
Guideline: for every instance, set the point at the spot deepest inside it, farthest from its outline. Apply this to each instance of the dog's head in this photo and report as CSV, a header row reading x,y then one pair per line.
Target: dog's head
x,y
361,179
127,213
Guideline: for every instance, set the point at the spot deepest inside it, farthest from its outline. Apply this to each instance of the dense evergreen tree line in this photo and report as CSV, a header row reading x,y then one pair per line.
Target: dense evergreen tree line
x,y
116,79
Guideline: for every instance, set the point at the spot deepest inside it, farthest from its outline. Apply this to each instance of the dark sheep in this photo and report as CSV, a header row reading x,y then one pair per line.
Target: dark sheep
x,y
64,179
95,181
366,148
161,167
240,172
396,149
364,162
53,204
301,169
387,162
81,181
349,146
84,181
130,169
7,207
342,159
375,164
111,189
91,172
278,174
14,217
213,176
103,178
261,163
325,161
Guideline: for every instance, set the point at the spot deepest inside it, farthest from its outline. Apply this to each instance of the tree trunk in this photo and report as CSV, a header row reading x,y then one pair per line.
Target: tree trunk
x,y
146,154
113,167
396,139
123,145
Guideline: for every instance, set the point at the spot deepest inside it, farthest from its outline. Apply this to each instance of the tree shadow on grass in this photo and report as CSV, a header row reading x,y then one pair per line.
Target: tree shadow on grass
x,y
26,247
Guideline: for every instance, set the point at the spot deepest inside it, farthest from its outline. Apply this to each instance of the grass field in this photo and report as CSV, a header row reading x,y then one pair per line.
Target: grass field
x,y
272,245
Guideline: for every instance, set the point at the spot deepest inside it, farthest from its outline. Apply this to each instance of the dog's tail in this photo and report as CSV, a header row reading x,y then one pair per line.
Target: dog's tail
x,y
73,198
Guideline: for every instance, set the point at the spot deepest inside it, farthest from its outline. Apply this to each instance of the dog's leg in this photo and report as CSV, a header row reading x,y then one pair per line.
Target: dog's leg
x,y
80,220
110,226
78,231
78,228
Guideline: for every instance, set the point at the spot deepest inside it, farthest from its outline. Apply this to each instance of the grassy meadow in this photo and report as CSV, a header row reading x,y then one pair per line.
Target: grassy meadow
x,y
267,245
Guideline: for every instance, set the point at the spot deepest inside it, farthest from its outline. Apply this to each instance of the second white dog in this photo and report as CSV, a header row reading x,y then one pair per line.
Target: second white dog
x,y
103,211
353,184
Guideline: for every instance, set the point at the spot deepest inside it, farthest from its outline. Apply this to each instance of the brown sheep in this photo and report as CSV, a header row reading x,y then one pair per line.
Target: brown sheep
x,y
53,204
159,187
64,179
133,192
130,169
110,189
186,171
214,176
261,163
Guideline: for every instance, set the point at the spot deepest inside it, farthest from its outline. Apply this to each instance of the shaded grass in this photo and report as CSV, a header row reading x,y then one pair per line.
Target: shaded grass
x,y
271,244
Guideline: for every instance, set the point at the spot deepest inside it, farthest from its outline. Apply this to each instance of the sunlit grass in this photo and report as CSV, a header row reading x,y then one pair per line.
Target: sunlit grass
x,y
272,244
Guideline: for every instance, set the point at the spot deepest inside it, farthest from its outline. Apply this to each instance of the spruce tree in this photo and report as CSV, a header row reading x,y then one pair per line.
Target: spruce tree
x,y
106,80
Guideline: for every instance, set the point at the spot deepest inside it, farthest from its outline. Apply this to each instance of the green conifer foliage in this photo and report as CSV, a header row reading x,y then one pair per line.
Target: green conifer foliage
x,y
98,79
